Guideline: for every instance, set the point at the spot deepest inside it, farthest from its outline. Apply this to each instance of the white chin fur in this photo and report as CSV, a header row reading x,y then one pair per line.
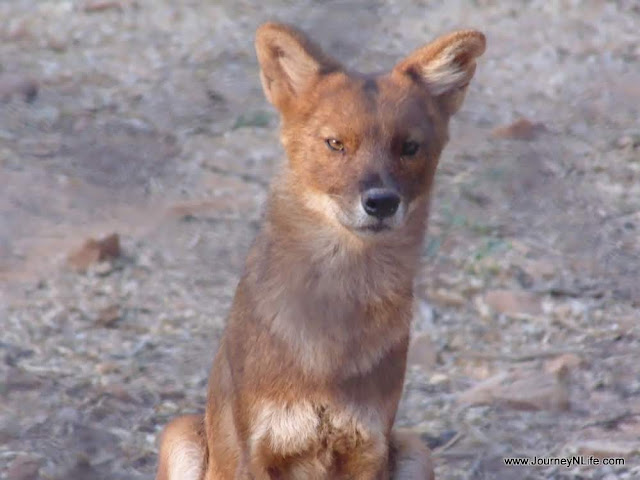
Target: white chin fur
x,y
355,218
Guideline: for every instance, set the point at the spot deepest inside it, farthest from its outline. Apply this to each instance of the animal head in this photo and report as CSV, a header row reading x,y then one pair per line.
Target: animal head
x,y
363,149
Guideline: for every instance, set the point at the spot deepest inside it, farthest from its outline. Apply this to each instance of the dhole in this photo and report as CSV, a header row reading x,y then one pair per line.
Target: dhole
x,y
308,375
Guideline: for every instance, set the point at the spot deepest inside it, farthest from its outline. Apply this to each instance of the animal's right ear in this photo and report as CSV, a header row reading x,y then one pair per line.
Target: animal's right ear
x,y
445,66
290,63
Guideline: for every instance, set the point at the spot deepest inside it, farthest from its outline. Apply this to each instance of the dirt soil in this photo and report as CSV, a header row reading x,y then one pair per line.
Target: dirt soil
x,y
146,119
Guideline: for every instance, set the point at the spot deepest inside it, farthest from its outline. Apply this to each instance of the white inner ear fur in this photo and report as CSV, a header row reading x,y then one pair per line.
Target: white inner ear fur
x,y
444,73
298,68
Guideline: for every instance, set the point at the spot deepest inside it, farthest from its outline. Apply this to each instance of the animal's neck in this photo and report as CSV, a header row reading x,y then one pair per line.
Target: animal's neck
x,y
300,255
338,300
330,257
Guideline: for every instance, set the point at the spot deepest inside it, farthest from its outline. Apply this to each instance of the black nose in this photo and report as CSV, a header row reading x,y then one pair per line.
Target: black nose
x,y
380,202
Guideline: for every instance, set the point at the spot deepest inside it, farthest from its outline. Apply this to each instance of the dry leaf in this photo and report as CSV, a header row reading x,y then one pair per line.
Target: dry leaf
x,y
94,251
521,129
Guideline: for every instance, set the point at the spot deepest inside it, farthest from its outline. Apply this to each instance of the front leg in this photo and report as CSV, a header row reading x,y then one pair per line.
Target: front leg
x,y
282,442
409,458
359,467
362,454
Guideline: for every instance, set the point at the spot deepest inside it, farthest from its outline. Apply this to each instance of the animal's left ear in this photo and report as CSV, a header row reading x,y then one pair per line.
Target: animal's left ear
x,y
290,63
445,66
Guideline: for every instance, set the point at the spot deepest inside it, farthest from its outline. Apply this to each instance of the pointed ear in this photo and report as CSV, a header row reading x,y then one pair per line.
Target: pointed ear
x,y
290,63
445,66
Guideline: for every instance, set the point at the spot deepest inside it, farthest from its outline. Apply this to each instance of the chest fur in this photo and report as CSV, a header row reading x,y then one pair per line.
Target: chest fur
x,y
313,438
340,313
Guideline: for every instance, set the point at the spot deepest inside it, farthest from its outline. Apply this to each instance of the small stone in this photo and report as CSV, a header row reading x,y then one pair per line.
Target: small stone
x,y
540,269
24,468
520,390
607,448
563,311
106,368
17,30
68,414
447,298
478,370
172,394
630,141
57,44
438,379
458,341
627,323
109,316
40,147
18,85
82,469
482,308
103,268
521,129
472,286
562,364
511,302
120,392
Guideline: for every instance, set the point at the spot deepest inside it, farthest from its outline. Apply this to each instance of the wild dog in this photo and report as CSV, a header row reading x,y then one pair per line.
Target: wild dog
x,y
309,372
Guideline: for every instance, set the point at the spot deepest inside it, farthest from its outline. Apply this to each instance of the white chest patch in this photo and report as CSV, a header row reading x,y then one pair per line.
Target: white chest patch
x,y
291,429
286,429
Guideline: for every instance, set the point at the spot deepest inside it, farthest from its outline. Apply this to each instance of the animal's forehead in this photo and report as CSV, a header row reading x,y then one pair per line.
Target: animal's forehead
x,y
377,102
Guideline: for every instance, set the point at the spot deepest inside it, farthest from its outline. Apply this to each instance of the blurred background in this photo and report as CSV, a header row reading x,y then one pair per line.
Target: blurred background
x,y
135,152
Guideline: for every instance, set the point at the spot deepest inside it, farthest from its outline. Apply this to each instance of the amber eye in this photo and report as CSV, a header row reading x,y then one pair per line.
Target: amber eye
x,y
334,144
409,148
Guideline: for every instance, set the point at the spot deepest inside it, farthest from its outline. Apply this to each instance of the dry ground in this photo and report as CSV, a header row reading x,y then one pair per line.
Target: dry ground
x,y
146,118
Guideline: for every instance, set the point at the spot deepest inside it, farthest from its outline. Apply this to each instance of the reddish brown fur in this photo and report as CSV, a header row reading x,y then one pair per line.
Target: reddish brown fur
x,y
309,373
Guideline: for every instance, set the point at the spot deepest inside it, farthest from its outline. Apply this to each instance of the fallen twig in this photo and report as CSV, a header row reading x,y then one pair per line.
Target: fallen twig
x,y
523,357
